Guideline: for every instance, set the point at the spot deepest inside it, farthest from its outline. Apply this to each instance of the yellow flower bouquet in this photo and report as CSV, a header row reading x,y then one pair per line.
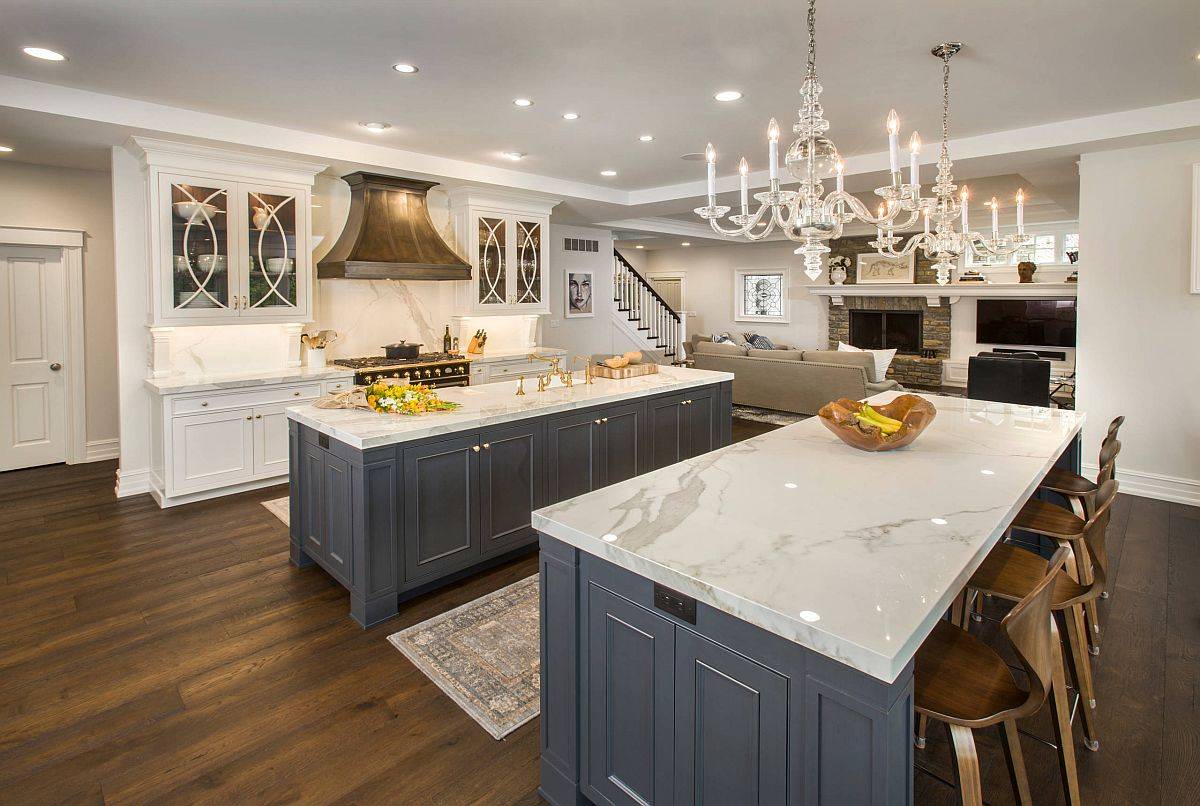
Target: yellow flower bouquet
x,y
405,398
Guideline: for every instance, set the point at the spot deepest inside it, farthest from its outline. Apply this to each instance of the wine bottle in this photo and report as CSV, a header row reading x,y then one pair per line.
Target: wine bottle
x,y
447,341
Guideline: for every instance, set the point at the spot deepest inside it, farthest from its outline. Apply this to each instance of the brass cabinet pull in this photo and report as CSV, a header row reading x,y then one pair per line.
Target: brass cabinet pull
x,y
258,416
604,419
203,402
597,422
248,417
487,446
295,394
475,448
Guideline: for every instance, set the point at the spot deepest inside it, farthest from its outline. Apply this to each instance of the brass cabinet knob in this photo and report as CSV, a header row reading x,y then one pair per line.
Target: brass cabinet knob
x,y
258,416
295,394
487,446
604,419
475,448
597,422
248,418
203,402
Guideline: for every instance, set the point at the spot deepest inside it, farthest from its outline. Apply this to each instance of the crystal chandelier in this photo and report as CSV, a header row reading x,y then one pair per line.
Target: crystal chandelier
x,y
811,217
945,245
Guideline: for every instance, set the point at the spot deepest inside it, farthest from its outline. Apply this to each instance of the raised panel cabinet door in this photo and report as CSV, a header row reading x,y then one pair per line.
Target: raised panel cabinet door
x,y
730,726
700,422
270,441
511,484
339,543
629,744
210,450
622,443
573,454
666,420
441,508
312,504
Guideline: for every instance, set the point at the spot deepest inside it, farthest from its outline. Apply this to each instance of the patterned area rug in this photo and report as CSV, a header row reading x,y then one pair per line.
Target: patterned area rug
x,y
484,656
767,415
279,508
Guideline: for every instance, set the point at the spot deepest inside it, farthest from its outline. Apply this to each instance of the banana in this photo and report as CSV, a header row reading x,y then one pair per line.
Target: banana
x,y
887,430
871,414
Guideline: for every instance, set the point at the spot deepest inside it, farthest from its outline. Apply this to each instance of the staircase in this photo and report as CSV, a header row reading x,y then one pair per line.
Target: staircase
x,y
647,312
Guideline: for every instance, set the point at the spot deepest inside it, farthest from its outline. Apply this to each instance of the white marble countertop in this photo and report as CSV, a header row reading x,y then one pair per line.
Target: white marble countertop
x,y
854,555
492,404
509,354
207,382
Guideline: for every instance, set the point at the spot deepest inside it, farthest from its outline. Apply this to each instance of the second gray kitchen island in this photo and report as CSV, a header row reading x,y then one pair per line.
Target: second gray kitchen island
x,y
393,505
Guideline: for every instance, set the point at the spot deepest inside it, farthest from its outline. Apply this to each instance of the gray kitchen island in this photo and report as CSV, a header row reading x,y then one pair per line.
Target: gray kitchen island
x,y
392,506
740,627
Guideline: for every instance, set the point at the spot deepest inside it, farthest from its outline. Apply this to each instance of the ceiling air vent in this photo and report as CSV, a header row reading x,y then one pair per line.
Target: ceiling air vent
x,y
580,245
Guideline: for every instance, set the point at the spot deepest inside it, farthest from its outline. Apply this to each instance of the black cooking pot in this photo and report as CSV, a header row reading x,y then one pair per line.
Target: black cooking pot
x,y
401,350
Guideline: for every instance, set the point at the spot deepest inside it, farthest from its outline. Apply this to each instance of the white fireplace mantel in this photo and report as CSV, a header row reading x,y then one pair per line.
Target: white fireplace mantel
x,y
953,292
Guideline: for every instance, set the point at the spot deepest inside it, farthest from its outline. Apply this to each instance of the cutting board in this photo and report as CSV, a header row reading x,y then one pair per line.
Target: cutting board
x,y
631,371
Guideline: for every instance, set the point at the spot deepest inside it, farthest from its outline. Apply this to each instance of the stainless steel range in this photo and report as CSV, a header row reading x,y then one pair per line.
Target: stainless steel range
x,y
432,369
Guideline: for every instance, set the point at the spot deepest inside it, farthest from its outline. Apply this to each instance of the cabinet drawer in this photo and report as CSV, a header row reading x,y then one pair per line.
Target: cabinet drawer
x,y
338,386
297,393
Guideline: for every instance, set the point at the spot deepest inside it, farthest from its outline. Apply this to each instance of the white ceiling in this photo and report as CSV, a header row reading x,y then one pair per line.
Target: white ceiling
x,y
628,67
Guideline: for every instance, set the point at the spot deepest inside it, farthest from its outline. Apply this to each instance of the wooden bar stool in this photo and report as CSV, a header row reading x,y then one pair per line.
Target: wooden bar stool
x,y
965,684
1051,520
1011,572
1080,490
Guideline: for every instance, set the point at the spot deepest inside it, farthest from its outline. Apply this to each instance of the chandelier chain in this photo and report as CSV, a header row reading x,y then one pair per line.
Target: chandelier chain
x,y
812,39
946,103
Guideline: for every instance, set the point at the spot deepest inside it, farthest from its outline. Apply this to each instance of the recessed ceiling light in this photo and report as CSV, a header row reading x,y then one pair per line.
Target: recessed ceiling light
x,y
686,243
5,149
44,53
608,173
515,156
646,138
376,127
570,116
639,246
404,67
522,102
728,95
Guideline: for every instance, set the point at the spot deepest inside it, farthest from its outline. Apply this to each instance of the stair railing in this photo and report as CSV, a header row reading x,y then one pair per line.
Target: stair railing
x,y
643,305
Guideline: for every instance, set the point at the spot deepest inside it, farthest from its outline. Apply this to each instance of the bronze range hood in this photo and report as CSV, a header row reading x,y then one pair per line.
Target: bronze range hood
x,y
388,235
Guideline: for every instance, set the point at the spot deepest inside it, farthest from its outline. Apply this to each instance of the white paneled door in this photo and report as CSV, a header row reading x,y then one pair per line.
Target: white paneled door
x,y
33,347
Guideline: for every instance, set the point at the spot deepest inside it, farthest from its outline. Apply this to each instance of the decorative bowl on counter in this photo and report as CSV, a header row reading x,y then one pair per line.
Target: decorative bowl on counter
x,y
881,427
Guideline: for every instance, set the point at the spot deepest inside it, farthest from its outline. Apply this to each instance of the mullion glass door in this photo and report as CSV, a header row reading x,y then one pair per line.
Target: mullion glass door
x,y
271,257
200,233
493,257
529,262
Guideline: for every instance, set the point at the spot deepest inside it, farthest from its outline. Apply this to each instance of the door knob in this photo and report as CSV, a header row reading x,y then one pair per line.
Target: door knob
x,y
55,367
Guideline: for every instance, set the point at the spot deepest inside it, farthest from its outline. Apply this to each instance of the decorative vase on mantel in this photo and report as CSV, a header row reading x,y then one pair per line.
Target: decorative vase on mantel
x,y
837,269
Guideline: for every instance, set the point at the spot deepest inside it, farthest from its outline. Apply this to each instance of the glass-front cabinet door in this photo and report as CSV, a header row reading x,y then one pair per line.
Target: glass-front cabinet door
x,y
529,283
275,270
493,260
202,278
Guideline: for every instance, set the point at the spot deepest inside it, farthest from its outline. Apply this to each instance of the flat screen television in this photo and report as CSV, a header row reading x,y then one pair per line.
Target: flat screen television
x,y
1026,322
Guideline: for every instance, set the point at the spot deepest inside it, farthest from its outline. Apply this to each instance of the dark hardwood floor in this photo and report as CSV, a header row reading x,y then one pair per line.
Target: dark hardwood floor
x,y
176,657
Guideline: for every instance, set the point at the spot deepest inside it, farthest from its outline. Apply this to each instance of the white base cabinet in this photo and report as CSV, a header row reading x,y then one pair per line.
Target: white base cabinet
x,y
208,444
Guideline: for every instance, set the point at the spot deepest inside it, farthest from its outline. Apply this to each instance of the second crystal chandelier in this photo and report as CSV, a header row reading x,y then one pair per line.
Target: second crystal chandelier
x,y
810,217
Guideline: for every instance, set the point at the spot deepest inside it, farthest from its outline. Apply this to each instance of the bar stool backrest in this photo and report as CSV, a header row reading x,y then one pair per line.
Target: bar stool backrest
x,y
1028,627
1095,535
1108,458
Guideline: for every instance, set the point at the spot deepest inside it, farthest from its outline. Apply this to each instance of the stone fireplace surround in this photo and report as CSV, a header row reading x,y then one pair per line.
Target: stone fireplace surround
x,y
909,370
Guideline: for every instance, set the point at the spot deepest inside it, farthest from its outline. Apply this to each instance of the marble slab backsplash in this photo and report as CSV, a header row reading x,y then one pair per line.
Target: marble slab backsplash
x,y
370,313
229,348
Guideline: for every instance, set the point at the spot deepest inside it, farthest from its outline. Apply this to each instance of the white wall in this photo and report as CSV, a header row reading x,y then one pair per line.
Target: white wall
x,y
67,198
708,289
581,336
1139,327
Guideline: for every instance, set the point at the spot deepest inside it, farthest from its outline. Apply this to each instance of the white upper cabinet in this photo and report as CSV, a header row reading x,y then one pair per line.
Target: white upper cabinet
x,y
505,236
230,235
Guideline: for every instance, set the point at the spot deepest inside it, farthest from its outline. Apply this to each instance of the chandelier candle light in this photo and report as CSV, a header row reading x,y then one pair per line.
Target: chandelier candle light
x,y
811,217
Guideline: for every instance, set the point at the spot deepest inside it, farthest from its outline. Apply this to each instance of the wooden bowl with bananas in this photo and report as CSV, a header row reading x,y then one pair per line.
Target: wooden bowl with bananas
x,y
882,427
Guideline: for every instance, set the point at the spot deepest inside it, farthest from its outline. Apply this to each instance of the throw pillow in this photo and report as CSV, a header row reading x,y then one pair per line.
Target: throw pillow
x,y
883,359
722,338
759,342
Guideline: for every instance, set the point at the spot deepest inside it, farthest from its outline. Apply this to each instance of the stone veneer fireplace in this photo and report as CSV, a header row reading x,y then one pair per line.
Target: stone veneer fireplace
x,y
909,370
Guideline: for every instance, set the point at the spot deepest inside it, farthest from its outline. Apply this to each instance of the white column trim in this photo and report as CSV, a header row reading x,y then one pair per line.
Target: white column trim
x,y
70,242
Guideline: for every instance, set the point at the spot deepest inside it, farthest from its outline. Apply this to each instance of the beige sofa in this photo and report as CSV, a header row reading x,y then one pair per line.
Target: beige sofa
x,y
800,381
